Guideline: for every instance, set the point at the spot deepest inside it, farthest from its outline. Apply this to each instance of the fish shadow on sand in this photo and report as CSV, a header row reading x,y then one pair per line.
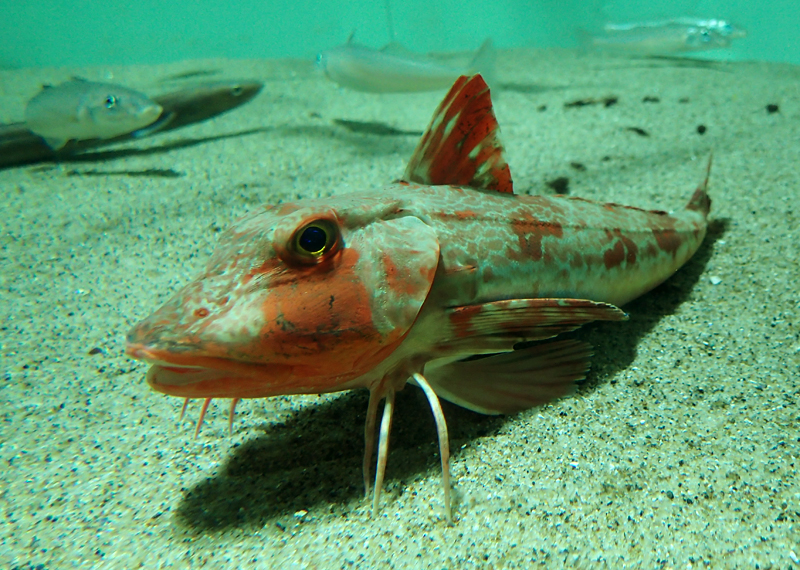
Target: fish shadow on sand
x,y
615,343
313,460
104,155
532,88
659,61
366,143
374,144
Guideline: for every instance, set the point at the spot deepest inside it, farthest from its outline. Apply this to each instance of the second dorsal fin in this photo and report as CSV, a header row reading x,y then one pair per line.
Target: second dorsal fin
x,y
461,146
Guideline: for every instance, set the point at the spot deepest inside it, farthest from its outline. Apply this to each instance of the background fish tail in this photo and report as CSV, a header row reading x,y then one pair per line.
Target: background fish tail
x,y
484,62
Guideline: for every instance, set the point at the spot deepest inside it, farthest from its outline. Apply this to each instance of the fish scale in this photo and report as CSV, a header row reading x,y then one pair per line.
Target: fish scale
x,y
573,247
441,266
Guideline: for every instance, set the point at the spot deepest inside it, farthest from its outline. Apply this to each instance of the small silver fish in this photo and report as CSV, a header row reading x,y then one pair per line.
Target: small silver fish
x,y
664,37
83,110
395,70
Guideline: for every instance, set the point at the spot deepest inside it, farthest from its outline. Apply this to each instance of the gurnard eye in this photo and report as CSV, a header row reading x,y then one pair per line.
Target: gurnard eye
x,y
313,240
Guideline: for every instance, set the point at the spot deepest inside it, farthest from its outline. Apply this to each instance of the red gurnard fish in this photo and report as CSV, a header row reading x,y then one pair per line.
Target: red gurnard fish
x,y
379,288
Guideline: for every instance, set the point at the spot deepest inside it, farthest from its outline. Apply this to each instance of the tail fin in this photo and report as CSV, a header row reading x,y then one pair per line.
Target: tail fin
x,y
700,201
484,62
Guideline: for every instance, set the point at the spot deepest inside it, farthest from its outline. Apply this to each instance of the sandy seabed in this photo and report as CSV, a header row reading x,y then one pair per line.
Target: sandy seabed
x,y
679,451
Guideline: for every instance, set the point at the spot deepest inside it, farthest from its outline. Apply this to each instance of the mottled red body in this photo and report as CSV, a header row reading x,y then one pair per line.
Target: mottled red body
x,y
371,290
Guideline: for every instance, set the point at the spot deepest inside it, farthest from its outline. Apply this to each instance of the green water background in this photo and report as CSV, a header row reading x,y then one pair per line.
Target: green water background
x,y
93,32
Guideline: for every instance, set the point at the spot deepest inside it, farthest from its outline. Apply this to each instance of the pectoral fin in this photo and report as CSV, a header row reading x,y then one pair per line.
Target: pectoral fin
x,y
513,381
160,123
500,324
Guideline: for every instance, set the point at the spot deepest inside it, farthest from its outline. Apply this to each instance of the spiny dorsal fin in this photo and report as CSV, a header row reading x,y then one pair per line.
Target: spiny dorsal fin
x,y
461,146
700,201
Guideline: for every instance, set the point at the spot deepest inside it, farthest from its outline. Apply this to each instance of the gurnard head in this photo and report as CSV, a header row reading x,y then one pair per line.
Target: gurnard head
x,y
298,298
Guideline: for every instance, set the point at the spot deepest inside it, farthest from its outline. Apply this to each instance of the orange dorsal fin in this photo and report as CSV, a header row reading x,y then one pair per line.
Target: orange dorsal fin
x,y
461,146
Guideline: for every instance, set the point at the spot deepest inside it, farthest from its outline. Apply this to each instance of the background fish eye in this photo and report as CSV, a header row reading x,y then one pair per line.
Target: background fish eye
x,y
110,102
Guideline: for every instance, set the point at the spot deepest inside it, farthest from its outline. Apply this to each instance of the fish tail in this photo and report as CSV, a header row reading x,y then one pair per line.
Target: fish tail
x,y
484,62
700,200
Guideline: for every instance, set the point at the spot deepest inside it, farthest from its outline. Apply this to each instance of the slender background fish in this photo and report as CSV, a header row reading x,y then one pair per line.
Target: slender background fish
x,y
663,37
83,110
394,69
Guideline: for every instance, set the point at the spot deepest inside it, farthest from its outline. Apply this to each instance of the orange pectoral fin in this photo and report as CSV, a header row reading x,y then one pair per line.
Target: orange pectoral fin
x,y
513,381
526,319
